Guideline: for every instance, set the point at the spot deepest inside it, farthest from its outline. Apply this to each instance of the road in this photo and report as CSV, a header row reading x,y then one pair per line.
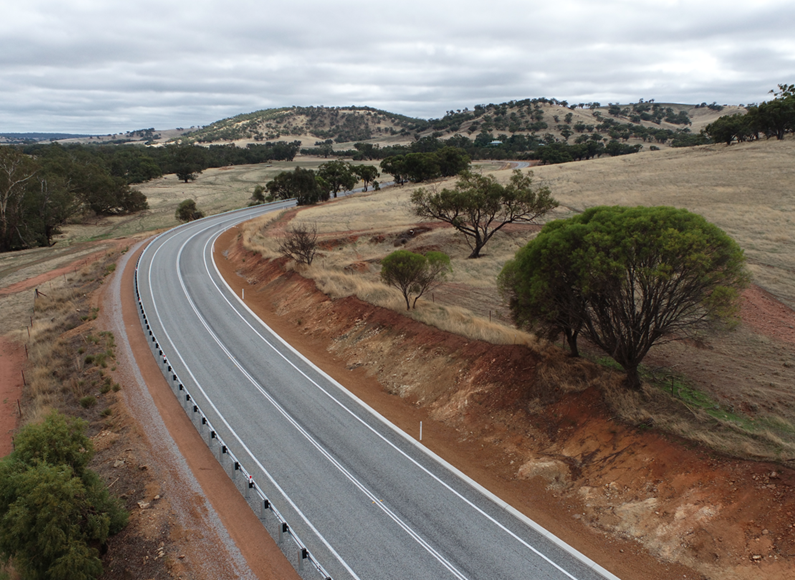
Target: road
x,y
365,499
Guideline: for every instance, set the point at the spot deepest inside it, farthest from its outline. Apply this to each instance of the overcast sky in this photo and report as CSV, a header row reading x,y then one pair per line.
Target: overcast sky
x,y
101,66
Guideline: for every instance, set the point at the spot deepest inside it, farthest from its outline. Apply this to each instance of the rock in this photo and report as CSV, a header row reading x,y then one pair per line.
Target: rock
x,y
143,505
555,472
157,497
118,463
756,557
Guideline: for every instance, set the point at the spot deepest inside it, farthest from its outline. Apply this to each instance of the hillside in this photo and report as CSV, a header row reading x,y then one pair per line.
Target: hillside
x,y
635,123
668,468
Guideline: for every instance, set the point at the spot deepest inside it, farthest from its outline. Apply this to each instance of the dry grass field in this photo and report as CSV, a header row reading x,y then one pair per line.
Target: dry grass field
x,y
745,189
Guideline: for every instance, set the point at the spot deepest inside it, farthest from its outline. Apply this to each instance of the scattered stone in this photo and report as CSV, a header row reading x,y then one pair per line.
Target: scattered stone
x,y
756,557
118,463
181,556
157,497
143,505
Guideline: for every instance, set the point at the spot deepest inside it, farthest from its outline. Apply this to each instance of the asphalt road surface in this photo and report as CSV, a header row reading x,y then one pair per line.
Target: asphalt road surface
x,y
367,500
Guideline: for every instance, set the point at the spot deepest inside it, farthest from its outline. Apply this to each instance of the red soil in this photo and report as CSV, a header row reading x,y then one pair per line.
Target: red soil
x,y
12,360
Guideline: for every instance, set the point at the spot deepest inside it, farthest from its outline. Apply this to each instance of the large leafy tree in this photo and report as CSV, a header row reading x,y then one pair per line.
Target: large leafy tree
x,y
627,278
17,172
337,175
54,511
479,206
187,161
414,274
302,184
367,173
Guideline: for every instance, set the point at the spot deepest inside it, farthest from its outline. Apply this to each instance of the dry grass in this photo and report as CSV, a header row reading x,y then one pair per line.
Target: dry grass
x,y
745,189
67,361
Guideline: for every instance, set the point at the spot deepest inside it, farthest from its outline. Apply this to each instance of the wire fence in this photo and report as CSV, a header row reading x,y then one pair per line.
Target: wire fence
x,y
273,521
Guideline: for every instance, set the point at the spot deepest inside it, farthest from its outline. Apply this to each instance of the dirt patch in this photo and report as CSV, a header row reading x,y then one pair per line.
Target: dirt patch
x,y
30,283
643,504
12,360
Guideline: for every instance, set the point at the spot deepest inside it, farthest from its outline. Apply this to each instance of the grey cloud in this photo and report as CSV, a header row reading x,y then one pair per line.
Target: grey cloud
x,y
95,66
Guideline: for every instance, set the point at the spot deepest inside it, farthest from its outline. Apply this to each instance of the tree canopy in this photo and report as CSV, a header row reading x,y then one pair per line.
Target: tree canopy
x,y
337,175
187,211
54,511
414,274
627,278
301,184
38,194
479,206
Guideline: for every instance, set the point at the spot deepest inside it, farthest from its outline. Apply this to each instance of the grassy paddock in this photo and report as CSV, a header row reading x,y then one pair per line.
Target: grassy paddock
x,y
743,189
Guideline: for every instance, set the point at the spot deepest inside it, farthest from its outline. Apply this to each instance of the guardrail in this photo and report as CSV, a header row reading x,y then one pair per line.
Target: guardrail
x,y
273,521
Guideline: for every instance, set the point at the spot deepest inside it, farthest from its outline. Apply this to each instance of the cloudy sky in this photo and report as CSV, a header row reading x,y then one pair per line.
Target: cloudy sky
x,y
101,66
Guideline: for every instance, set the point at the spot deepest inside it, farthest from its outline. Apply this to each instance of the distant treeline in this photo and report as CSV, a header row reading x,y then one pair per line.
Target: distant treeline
x,y
137,164
43,186
773,118
486,146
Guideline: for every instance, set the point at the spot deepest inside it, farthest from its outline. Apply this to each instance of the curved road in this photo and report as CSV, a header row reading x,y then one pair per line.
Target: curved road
x,y
366,500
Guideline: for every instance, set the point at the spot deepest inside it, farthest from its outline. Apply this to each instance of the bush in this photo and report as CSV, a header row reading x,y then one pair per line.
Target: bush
x,y
53,509
300,243
414,274
88,401
187,211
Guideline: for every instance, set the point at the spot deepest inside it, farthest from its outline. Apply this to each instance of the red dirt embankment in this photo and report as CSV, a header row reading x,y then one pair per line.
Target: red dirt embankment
x,y
642,504
12,360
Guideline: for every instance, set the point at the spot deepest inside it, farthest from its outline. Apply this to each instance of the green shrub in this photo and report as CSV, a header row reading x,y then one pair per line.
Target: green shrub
x,y
53,509
88,401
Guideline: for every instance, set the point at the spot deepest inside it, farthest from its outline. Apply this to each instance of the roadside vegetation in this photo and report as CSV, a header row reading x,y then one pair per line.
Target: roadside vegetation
x,y
69,397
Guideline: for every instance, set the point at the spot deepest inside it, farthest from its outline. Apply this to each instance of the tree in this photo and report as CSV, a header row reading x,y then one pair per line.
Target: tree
x,y
338,175
451,161
627,278
479,206
301,184
300,243
367,173
187,211
542,291
16,172
421,166
187,161
414,274
728,128
258,196
54,511
395,166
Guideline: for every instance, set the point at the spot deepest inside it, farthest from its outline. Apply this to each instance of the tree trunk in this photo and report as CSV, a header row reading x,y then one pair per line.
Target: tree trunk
x,y
632,380
571,338
476,250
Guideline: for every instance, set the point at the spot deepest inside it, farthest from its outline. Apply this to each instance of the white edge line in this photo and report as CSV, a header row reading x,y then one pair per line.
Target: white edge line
x,y
474,484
